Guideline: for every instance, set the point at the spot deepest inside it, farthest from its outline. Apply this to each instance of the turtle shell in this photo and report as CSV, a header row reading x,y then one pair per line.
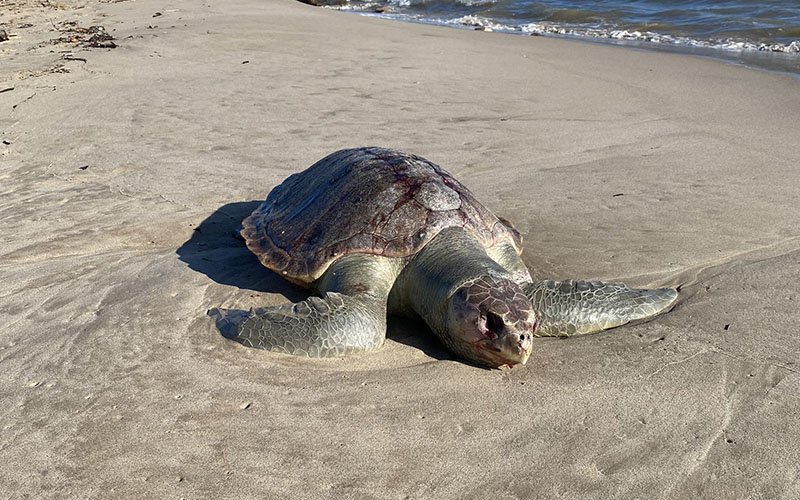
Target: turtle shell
x,y
368,200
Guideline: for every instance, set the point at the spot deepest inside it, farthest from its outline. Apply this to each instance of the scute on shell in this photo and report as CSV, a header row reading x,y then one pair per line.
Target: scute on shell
x,y
368,200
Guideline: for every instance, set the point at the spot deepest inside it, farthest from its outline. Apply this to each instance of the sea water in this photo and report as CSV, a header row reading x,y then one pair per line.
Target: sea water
x,y
763,33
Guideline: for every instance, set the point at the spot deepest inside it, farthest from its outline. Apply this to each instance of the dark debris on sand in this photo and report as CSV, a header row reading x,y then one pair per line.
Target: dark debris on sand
x,y
93,37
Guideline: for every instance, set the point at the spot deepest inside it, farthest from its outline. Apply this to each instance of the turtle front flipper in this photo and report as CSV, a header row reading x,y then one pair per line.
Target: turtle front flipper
x,y
349,315
332,325
566,308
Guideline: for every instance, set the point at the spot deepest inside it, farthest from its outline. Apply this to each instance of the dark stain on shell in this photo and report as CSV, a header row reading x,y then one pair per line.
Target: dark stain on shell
x,y
369,200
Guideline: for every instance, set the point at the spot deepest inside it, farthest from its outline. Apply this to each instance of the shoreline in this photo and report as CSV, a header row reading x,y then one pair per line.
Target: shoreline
x,y
125,171
754,58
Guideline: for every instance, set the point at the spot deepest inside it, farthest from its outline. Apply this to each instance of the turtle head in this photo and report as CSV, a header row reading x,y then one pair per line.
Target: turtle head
x,y
490,322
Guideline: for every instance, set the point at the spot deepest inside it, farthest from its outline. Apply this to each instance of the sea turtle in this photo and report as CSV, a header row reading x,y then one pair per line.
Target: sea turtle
x,y
372,230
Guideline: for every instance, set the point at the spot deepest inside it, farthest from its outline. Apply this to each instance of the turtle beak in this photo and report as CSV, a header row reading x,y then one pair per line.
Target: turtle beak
x,y
509,350
518,347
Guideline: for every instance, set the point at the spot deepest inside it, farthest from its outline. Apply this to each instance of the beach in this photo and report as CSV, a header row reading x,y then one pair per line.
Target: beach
x,y
127,170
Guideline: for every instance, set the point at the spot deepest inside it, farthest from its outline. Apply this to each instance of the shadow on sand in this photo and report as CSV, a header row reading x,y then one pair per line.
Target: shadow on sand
x,y
216,250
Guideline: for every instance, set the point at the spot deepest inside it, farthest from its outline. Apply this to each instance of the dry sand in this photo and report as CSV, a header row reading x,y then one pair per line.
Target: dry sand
x,y
124,175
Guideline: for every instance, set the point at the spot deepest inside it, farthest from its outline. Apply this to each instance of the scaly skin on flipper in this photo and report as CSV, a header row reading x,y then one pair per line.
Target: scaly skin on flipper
x,y
567,308
333,325
350,315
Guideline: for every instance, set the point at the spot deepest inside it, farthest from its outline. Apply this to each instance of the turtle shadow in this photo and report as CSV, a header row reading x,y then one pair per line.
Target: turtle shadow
x,y
416,334
216,250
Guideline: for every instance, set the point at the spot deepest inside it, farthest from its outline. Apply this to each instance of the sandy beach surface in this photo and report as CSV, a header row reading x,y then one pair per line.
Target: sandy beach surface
x,y
124,172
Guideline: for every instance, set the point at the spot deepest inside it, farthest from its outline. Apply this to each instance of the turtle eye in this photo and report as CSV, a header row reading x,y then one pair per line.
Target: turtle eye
x,y
494,324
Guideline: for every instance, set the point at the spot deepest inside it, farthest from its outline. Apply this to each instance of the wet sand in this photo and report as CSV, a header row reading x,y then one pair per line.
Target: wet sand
x,y
126,170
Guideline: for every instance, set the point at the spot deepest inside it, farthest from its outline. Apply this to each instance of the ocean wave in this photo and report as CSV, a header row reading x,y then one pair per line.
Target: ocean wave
x,y
487,24
404,10
649,36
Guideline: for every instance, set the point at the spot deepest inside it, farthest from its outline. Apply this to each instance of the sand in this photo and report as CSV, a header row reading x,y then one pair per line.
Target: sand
x,y
126,170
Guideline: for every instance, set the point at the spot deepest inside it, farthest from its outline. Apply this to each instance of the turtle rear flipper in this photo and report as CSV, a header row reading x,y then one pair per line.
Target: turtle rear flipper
x,y
332,325
566,308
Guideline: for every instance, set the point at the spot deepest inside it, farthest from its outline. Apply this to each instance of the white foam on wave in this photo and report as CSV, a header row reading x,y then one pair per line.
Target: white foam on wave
x,y
626,35
648,36
480,22
471,3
